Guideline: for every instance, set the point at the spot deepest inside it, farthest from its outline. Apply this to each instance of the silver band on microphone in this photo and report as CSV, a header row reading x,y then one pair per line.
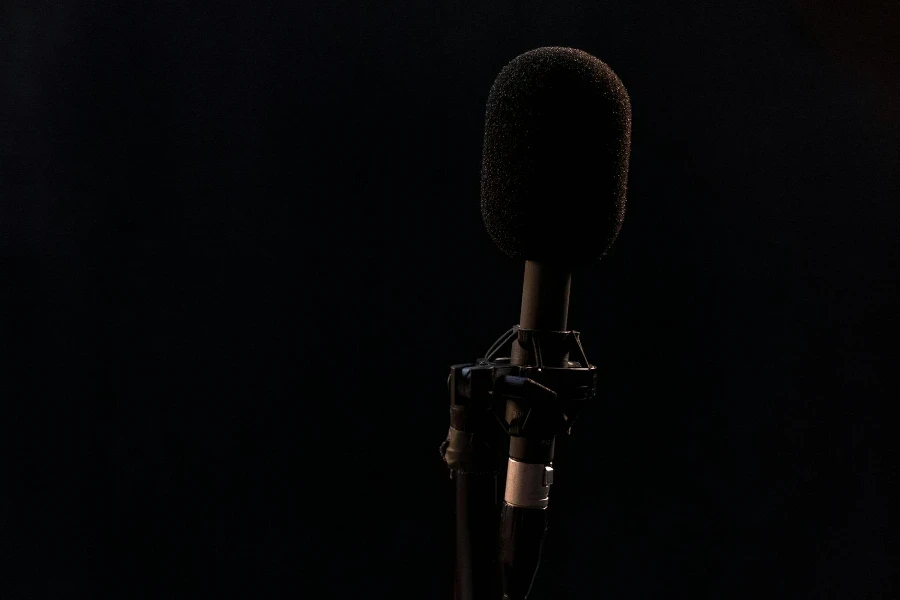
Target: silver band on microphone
x,y
527,484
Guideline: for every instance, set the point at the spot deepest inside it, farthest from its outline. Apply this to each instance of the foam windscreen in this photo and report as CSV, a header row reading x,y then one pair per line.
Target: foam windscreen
x,y
555,166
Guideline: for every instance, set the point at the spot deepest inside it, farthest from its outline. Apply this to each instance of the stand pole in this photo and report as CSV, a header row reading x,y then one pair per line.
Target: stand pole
x,y
477,523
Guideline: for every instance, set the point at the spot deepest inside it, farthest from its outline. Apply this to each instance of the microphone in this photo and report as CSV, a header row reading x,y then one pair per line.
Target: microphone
x,y
554,172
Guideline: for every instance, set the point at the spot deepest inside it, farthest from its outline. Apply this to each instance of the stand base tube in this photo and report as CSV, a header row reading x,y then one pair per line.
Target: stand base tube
x,y
476,553
522,533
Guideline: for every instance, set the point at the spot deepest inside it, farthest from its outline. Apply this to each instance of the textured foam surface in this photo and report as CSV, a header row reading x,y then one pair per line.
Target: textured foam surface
x,y
555,165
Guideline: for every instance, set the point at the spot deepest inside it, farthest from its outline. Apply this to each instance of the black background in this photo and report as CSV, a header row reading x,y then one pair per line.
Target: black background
x,y
241,246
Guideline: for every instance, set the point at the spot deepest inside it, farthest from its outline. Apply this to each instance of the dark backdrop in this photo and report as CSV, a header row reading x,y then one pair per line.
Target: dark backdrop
x,y
241,246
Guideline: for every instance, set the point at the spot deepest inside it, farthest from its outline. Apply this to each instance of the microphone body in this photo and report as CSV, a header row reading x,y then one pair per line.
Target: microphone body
x,y
529,475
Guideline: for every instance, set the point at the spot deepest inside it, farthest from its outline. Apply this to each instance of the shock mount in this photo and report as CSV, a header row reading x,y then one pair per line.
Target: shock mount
x,y
495,408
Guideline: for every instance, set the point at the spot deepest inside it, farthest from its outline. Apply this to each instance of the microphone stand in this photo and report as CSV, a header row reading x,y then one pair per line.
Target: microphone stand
x,y
490,400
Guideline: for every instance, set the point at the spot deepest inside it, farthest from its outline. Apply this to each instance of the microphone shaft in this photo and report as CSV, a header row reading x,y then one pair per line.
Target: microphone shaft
x,y
545,297
545,308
